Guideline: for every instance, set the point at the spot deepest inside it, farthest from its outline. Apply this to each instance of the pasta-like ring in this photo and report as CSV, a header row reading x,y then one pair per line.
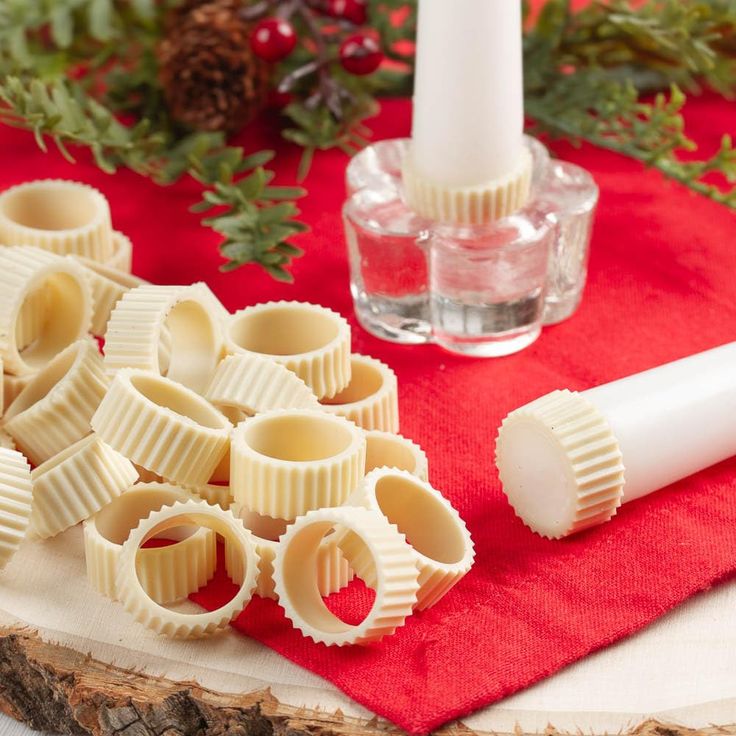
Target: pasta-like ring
x,y
167,574
172,623
15,502
394,579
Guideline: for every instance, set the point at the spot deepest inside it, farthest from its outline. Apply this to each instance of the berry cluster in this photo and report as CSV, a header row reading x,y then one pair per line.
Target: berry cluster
x,y
273,38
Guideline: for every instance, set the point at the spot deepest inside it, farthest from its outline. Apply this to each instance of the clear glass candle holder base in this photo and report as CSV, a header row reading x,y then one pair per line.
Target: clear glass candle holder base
x,y
482,291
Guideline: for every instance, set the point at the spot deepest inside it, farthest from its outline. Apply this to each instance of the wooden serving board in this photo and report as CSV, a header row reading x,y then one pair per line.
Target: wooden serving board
x,y
73,662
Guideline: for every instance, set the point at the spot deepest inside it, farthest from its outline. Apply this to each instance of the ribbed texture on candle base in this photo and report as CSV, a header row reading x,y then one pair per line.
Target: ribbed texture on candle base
x,y
396,581
477,205
588,446
16,495
76,484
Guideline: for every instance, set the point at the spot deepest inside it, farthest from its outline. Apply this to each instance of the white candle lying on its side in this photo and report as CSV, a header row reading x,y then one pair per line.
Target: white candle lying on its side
x,y
468,94
569,459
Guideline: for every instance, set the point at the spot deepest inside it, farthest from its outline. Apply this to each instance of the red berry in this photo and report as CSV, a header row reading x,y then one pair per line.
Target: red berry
x,y
354,11
273,39
360,54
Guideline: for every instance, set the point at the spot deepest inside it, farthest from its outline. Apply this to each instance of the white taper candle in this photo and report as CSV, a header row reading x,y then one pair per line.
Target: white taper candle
x,y
468,95
567,460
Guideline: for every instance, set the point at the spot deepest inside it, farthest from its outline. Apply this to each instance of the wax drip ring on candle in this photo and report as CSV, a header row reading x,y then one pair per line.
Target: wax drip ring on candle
x,y
192,315
441,542
394,580
568,459
384,449
60,216
55,408
244,385
311,341
286,462
163,426
371,399
173,623
23,271
167,574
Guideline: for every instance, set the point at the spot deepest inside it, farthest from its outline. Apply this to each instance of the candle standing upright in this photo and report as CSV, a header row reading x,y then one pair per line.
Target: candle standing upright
x,y
466,235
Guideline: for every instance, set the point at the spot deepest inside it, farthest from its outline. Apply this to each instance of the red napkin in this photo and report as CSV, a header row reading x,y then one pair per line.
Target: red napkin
x,y
661,287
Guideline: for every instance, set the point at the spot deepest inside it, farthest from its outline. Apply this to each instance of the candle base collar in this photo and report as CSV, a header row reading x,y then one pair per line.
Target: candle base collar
x,y
481,290
476,205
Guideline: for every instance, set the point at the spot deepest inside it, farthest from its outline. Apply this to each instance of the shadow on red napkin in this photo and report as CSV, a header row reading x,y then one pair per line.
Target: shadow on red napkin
x,y
661,286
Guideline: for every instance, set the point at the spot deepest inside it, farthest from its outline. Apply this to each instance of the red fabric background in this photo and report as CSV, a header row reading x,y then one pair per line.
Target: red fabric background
x,y
661,286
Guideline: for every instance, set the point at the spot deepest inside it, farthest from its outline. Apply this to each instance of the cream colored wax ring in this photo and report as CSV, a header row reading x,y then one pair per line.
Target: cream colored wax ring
x,y
569,459
287,461
167,574
122,253
54,410
69,306
16,495
173,623
332,570
108,286
163,426
439,537
60,216
191,314
371,399
384,449
76,484
244,385
311,341
395,582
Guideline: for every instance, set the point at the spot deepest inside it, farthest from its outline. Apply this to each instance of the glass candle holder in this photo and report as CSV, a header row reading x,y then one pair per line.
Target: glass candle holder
x,y
480,290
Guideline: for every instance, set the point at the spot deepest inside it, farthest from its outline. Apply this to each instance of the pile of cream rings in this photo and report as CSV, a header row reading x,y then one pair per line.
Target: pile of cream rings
x,y
260,426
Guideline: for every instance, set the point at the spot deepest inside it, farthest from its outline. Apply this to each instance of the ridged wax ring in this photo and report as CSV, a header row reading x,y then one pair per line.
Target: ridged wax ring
x,y
311,341
287,461
476,205
387,450
575,444
16,495
13,385
76,484
108,286
59,216
439,537
395,580
122,253
69,308
55,408
244,385
172,623
371,399
193,317
167,574
332,569
163,426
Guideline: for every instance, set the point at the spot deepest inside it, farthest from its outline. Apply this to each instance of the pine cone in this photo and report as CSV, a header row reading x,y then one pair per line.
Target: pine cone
x,y
211,79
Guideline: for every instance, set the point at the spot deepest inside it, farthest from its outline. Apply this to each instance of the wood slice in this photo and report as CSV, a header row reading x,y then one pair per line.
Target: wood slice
x,y
56,689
